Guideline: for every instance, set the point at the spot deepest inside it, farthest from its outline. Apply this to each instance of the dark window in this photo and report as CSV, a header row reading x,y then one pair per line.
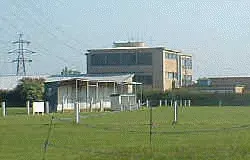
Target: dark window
x,y
113,59
121,59
99,59
144,58
128,59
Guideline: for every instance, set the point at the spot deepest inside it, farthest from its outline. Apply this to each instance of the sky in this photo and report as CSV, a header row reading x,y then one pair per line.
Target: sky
x,y
215,32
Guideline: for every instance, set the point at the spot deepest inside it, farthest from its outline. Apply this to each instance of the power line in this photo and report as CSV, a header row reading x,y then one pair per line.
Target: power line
x,y
40,24
58,28
45,51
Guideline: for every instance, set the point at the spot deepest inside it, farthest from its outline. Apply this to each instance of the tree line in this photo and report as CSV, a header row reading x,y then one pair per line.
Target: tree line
x,y
31,89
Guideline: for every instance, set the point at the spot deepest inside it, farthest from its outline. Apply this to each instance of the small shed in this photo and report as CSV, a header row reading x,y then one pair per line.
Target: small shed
x,y
91,92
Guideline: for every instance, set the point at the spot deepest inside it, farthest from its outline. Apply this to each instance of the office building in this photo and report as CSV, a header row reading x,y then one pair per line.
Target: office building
x,y
158,68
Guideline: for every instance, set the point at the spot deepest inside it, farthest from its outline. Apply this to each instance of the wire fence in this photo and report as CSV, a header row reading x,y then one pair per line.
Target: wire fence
x,y
147,132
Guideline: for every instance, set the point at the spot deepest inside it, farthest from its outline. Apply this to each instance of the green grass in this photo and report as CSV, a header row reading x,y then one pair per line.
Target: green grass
x,y
201,133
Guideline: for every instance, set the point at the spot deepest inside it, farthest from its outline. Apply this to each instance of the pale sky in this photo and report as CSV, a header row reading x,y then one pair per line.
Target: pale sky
x,y
215,32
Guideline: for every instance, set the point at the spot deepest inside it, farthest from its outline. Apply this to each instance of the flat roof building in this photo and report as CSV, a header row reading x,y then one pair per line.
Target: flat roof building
x,y
225,84
158,68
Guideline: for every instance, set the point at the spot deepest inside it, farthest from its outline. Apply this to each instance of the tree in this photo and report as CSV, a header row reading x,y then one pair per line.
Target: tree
x,y
31,89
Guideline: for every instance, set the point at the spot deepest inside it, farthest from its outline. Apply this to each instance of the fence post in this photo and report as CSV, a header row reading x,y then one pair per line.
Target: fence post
x,y
185,103
175,111
28,107
180,102
147,103
101,109
63,104
189,102
3,109
139,104
91,104
150,124
47,107
171,103
160,103
166,103
77,112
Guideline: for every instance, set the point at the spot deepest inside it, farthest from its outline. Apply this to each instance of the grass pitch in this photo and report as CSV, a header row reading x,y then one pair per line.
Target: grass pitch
x,y
201,133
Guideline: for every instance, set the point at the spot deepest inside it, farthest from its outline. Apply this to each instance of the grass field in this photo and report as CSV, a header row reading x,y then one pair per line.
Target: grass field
x,y
201,133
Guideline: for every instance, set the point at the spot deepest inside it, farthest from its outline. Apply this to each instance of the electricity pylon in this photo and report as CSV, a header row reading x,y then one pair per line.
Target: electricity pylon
x,y
21,60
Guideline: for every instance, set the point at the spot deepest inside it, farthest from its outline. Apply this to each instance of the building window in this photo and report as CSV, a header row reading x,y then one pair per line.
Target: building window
x,y
144,58
172,75
128,59
145,79
99,59
113,59
187,63
170,56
